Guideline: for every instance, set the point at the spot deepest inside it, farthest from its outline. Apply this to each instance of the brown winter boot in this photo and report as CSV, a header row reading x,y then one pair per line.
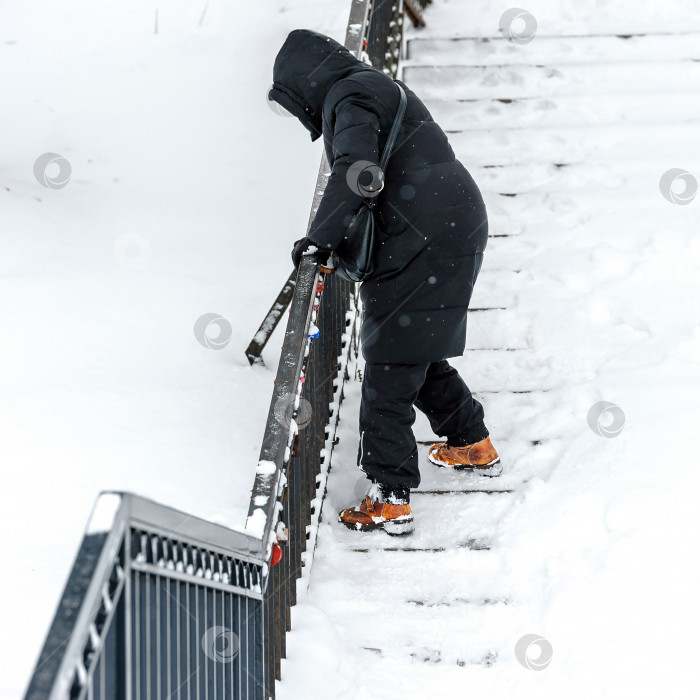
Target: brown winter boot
x,y
372,514
480,456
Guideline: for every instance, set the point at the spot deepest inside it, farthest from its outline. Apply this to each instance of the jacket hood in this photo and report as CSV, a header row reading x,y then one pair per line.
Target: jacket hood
x,y
306,67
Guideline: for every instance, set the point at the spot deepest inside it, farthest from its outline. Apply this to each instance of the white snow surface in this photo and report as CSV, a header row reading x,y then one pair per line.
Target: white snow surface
x,y
186,194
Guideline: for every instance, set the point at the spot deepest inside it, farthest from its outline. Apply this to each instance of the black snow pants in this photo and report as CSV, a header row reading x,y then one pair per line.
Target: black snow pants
x,y
387,451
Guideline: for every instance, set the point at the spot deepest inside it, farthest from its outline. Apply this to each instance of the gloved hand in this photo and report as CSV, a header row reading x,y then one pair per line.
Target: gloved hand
x,y
304,246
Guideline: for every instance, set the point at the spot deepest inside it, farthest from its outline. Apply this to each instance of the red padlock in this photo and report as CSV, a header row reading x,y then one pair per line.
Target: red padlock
x,y
276,553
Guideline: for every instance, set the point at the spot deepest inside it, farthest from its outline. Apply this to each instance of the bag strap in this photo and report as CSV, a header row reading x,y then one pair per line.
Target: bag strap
x,y
394,129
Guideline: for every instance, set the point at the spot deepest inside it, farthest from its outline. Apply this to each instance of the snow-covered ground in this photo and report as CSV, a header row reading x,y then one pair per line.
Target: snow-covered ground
x,y
185,194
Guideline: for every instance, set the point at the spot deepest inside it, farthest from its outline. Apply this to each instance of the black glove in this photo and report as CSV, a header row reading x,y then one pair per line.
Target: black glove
x,y
300,248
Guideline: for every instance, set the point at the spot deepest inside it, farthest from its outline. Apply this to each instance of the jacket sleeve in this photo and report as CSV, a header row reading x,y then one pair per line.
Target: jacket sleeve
x,y
355,139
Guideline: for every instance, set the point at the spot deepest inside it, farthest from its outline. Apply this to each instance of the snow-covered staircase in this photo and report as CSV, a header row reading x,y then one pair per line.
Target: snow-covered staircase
x,y
545,128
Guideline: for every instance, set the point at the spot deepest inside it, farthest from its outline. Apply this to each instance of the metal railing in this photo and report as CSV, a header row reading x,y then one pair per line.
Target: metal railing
x,y
158,604
161,604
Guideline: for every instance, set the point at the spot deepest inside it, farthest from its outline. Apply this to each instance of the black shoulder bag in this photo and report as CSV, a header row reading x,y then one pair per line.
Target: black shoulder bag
x,y
354,258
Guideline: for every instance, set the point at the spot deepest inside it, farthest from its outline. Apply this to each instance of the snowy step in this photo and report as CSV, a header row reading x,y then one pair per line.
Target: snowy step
x,y
504,227
494,369
506,254
554,49
630,174
540,176
446,606
512,82
445,522
495,289
428,655
454,634
501,328
448,602
515,422
360,581
594,206
594,144
567,110
521,461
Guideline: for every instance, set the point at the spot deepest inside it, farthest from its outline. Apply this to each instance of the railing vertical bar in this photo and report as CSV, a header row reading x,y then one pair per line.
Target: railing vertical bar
x,y
290,585
218,605
279,633
298,496
266,640
222,648
137,634
168,645
128,629
204,593
178,640
295,498
158,672
242,627
188,669
321,382
236,665
147,579
226,680
272,582
250,662
245,676
223,668
269,639
232,665
287,559
214,666
103,675
196,647
275,646
282,614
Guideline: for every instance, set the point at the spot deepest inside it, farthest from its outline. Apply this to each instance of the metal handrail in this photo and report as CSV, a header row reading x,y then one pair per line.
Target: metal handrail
x,y
266,488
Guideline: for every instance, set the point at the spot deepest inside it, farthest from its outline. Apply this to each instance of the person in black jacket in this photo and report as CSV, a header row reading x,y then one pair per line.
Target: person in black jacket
x,y
433,232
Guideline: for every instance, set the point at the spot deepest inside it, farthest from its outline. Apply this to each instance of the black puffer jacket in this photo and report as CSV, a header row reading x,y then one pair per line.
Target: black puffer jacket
x,y
431,214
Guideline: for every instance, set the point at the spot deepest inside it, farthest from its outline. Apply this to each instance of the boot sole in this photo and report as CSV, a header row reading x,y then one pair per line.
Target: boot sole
x,y
398,529
391,527
494,468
